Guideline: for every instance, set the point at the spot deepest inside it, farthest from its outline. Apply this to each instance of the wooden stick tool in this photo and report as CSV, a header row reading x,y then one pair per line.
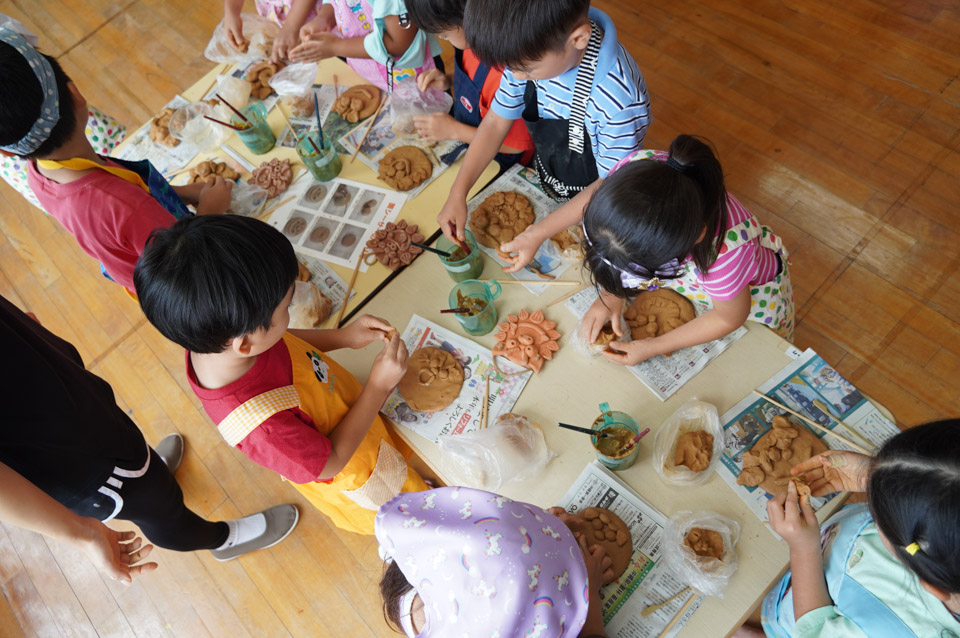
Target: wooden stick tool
x,y
816,425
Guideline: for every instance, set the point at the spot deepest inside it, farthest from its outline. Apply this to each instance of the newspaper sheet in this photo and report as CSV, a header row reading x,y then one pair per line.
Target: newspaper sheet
x,y
165,159
525,181
811,387
647,580
329,282
463,415
664,375
333,220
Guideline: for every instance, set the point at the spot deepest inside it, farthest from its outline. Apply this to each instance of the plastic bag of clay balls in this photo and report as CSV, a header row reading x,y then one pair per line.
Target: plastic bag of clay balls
x,y
258,31
692,418
595,349
294,79
408,101
512,449
247,199
704,573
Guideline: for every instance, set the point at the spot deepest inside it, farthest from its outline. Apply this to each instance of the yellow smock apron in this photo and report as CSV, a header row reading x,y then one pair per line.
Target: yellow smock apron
x,y
376,472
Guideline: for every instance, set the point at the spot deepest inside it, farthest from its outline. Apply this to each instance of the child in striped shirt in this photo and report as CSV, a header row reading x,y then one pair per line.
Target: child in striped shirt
x,y
578,91
665,220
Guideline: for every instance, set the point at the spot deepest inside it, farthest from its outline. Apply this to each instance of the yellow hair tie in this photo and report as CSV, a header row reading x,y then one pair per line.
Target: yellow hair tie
x,y
912,548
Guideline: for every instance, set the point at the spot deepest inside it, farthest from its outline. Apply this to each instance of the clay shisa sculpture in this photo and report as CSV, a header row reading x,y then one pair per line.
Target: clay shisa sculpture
x,y
501,217
527,339
391,244
207,170
259,76
656,312
432,381
767,464
405,168
274,176
357,103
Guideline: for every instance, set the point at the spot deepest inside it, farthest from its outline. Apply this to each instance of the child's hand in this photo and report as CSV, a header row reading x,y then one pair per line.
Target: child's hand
x,y
314,47
389,366
599,564
453,218
283,43
525,245
365,330
433,79
233,26
834,471
606,309
794,519
629,353
215,197
435,127
326,20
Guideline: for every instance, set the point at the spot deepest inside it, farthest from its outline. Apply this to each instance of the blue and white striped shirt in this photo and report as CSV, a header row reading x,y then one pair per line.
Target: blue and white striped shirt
x,y
618,109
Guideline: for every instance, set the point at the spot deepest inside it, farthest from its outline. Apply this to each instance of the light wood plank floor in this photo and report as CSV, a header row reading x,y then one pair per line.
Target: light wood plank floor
x,y
837,124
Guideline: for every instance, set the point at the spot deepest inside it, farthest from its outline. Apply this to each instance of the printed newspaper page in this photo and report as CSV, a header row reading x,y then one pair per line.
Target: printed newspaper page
x,y
463,415
647,580
812,388
664,375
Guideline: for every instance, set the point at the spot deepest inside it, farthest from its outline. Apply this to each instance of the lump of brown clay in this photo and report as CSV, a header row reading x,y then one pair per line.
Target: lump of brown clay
x,y
432,381
568,242
357,103
599,526
273,176
301,107
694,449
656,312
606,336
160,128
705,543
207,170
767,464
259,78
303,273
391,244
312,312
500,218
527,339
405,168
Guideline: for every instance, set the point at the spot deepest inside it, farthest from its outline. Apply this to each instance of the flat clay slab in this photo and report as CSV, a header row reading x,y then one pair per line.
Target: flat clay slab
x,y
357,103
500,218
600,526
432,381
405,167
656,312
767,464
392,244
273,176
527,339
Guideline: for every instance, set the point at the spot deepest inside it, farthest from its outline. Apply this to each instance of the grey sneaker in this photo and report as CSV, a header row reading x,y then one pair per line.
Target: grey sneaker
x,y
170,449
281,519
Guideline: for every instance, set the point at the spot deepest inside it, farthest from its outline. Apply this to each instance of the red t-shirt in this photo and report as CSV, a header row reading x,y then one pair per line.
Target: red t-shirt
x,y
109,217
518,137
287,442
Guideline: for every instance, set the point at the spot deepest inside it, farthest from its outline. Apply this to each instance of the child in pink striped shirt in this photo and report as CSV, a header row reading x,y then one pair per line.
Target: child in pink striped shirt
x,y
664,219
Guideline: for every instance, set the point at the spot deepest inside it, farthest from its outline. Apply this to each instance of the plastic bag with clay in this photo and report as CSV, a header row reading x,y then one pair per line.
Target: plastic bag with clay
x,y
512,449
309,307
294,79
706,574
258,31
692,416
408,101
246,199
594,350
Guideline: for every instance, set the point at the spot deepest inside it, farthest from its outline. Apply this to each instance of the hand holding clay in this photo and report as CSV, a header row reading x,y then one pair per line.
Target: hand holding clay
x,y
233,25
834,471
215,197
602,312
365,331
389,366
316,47
794,519
433,79
435,127
599,564
525,245
286,40
629,353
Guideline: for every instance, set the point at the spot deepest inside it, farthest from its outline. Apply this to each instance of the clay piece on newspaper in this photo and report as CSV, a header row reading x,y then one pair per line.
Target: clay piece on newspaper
x,y
501,217
259,76
656,312
767,464
705,543
357,103
527,339
208,170
312,312
694,449
405,167
432,381
160,128
273,176
600,526
392,244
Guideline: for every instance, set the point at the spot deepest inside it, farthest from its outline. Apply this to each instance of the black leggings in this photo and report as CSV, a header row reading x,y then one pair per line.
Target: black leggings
x,y
154,502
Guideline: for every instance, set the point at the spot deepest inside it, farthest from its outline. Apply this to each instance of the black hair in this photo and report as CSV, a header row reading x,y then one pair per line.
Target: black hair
x,y
393,587
914,496
649,213
21,99
212,278
512,33
436,16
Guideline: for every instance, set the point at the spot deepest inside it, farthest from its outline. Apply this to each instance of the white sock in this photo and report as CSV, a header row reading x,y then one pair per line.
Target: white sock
x,y
245,529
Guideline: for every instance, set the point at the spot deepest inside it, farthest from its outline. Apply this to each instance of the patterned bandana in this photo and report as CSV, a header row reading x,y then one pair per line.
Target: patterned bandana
x,y
484,565
638,277
49,110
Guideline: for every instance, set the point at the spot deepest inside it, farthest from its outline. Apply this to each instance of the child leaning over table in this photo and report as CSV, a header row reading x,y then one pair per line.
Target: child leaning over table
x,y
220,287
109,205
474,86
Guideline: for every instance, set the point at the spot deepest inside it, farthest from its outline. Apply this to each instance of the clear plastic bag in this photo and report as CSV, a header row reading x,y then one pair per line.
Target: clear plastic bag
x,y
294,79
706,574
692,416
246,199
512,449
309,307
409,101
258,31
593,350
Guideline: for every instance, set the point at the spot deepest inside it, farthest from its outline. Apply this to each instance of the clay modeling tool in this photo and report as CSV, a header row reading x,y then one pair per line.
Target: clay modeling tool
x,y
652,608
817,426
675,619
576,428
316,112
235,128
431,249
534,283
230,106
336,87
634,441
458,242
486,401
353,280
458,311
567,295
369,126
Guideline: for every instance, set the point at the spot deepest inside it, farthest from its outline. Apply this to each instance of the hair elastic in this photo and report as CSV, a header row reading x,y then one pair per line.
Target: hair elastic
x,y
638,277
49,110
677,166
912,548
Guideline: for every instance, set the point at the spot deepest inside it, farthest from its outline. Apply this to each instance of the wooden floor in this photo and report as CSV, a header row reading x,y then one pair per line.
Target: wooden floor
x,y
837,124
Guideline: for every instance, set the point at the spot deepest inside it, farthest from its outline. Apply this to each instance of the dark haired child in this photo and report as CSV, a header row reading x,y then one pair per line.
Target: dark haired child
x,y
474,86
578,91
109,205
881,569
666,220
220,286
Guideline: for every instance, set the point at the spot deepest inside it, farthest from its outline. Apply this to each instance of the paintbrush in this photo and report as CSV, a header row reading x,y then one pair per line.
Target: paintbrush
x,y
575,428
431,249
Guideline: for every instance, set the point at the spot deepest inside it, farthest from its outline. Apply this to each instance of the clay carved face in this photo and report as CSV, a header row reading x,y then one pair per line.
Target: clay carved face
x,y
405,167
273,176
767,464
432,381
656,312
391,244
527,339
357,103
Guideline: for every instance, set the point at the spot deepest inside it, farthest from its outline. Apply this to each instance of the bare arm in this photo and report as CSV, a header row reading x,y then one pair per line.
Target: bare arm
x,y
357,334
